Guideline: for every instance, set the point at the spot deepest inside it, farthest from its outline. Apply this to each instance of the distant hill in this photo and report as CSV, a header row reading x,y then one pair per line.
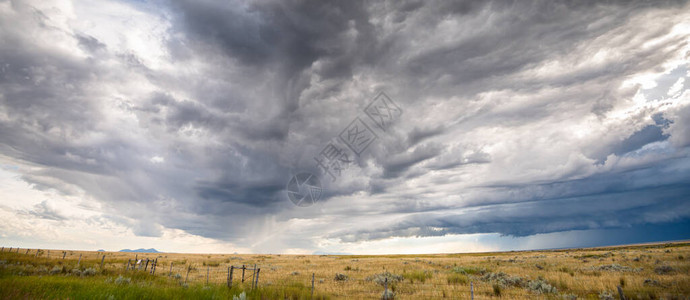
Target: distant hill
x,y
141,250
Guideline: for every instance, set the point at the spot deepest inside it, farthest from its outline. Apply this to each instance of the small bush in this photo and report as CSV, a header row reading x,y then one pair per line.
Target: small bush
x,y
617,268
211,264
56,270
76,272
241,296
387,294
469,270
381,278
89,272
662,270
497,289
540,286
504,279
123,280
418,275
651,282
457,279
606,295
340,277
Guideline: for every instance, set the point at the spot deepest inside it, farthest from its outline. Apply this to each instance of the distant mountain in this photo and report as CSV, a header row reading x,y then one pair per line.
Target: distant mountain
x,y
141,250
330,253
101,250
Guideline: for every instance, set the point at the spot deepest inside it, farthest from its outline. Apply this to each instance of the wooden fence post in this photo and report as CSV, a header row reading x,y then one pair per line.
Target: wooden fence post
x,y
243,268
471,291
227,281
188,269
147,264
312,285
256,284
79,262
102,259
155,265
385,287
63,254
620,292
254,276
127,265
232,268
17,250
27,251
170,272
37,250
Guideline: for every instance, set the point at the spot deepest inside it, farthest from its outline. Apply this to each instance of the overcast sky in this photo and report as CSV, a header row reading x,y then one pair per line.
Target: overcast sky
x,y
177,125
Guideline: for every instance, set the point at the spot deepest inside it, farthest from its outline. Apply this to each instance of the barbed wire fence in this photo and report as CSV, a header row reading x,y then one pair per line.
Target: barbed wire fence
x,y
212,272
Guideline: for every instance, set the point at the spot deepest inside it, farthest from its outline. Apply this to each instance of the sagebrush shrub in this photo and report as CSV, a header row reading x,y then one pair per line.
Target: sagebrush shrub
x,y
89,272
381,278
340,277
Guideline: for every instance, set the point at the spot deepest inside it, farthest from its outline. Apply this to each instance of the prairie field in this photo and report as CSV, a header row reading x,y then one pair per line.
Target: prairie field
x,y
649,271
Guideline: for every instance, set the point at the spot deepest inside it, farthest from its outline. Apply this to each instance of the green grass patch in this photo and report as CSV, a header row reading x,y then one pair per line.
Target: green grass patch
x,y
469,270
456,278
418,275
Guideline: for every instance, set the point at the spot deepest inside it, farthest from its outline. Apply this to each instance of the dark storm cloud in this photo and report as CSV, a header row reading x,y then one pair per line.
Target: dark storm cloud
x,y
250,92
600,202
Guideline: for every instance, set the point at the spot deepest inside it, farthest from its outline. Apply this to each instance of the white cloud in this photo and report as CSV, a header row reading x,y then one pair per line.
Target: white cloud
x,y
176,125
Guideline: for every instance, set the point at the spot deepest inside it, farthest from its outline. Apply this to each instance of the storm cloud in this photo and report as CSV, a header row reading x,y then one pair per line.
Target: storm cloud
x,y
520,118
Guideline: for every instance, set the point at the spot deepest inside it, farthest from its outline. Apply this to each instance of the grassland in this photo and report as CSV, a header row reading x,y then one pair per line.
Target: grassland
x,y
653,271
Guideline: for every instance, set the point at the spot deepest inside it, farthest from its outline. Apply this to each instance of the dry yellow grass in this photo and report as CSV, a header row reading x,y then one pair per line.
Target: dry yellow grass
x,y
649,271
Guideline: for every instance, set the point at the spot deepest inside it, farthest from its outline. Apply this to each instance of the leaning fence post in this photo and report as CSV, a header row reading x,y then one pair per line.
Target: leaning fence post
x,y
243,268
63,254
256,285
620,292
471,291
27,251
102,259
312,285
79,261
127,265
188,269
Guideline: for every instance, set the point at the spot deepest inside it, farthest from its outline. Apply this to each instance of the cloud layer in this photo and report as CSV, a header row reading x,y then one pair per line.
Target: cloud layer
x,y
190,117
